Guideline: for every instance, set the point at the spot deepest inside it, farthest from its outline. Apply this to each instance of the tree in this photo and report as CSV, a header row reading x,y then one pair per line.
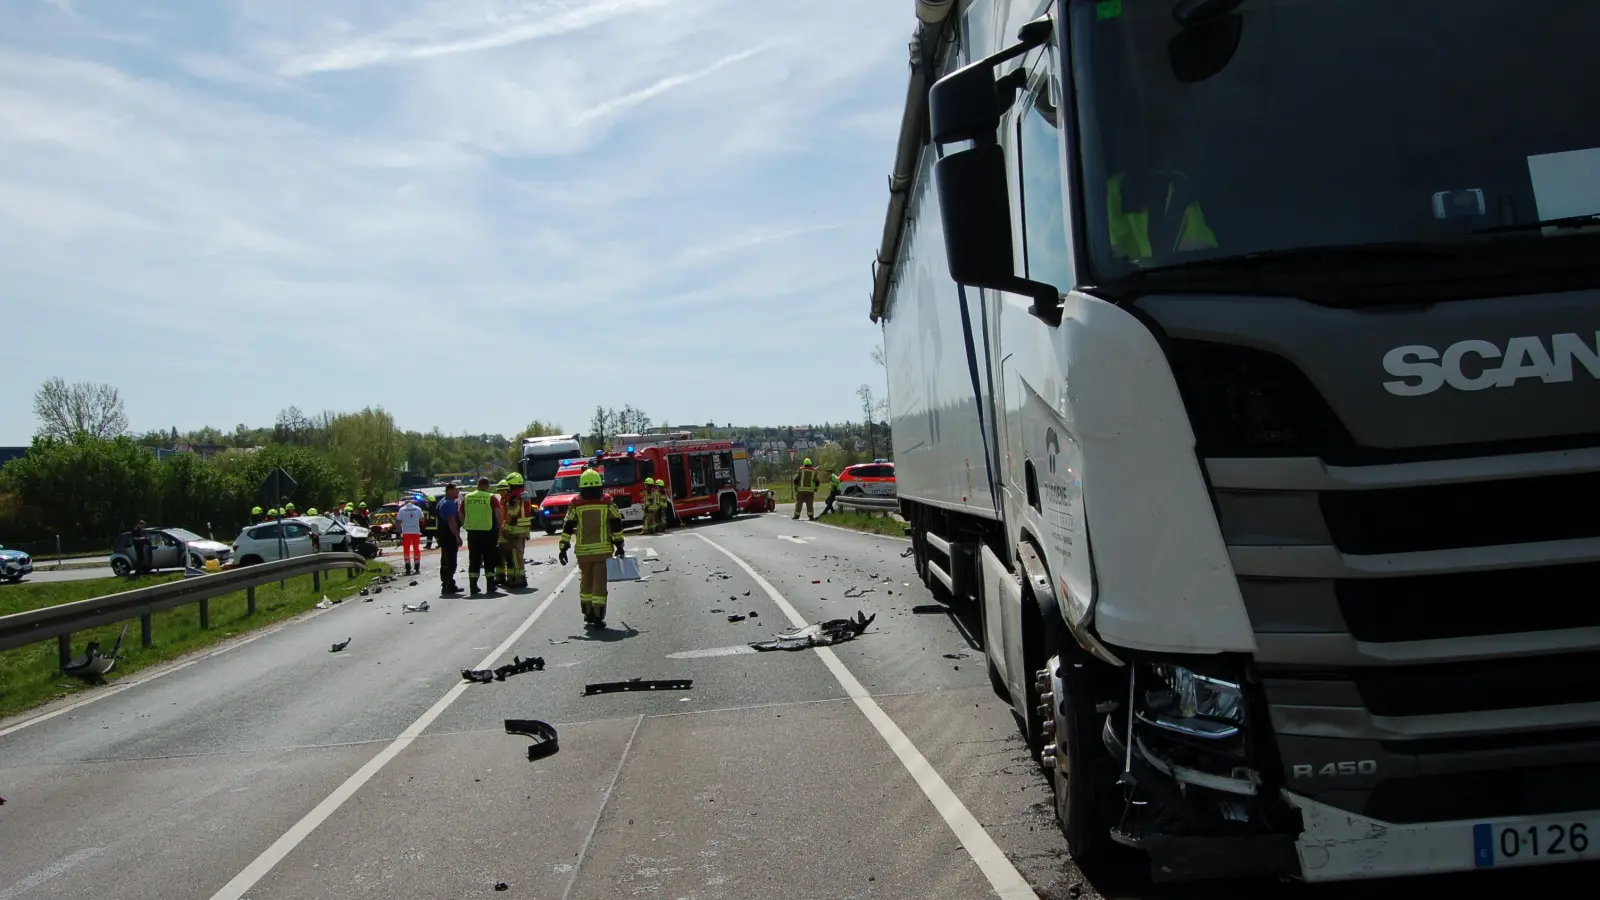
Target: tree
x,y
370,448
601,428
869,409
85,487
84,407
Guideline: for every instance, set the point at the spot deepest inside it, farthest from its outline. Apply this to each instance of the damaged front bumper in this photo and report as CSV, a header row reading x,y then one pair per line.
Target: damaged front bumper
x,y
1193,749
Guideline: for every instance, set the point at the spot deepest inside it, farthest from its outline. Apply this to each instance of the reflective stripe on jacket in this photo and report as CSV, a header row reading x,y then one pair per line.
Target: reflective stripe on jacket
x,y
596,525
806,480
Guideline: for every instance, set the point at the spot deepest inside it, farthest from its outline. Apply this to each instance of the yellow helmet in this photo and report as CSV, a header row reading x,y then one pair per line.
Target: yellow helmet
x,y
807,462
312,511
589,479
255,510
513,480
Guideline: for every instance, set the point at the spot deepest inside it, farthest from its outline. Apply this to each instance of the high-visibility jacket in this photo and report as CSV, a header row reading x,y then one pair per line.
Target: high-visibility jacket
x,y
595,525
519,516
1130,229
477,511
805,480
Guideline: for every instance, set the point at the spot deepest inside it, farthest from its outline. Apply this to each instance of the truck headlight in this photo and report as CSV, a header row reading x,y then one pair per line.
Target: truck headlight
x,y
1194,704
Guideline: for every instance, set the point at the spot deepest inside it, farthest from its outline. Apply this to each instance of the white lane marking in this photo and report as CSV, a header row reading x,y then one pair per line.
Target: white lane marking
x,y
59,867
604,802
719,651
302,829
792,539
1007,882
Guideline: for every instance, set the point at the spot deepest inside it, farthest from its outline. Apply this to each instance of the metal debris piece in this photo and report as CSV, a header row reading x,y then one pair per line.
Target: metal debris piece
x,y
544,743
823,634
955,656
93,664
418,608
735,617
517,666
638,684
340,646
717,610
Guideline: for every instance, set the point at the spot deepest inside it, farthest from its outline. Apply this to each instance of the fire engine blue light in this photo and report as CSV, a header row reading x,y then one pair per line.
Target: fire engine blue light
x,y
630,449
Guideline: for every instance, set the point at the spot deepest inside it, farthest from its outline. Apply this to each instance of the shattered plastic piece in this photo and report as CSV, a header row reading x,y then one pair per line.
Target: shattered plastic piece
x,y
717,610
419,608
324,603
735,617
816,581
955,656
501,885
637,684
858,592
412,584
517,666
340,646
909,552
483,676
544,743
754,614
823,634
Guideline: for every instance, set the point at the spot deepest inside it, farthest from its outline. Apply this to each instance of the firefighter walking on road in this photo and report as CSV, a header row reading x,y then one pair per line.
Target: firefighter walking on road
x,y
514,537
805,490
480,518
652,507
595,524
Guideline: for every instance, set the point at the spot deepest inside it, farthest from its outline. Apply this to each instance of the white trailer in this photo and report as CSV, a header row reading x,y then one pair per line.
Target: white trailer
x,y
1230,364
541,457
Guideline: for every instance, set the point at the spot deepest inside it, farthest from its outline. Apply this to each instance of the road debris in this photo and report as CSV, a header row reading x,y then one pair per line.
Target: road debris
x,y
859,592
735,617
501,885
637,684
747,593
754,614
324,603
928,609
544,743
517,666
822,634
411,608
962,655
910,551
340,646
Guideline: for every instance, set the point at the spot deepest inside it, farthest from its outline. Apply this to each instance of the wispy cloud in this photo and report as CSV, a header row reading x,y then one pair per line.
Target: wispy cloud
x,y
421,38
415,184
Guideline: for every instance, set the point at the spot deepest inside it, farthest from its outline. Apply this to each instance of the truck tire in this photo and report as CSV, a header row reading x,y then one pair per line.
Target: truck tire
x,y
1079,768
549,529
729,507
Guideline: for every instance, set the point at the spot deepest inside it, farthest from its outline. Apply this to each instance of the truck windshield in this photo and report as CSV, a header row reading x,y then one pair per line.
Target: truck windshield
x,y
536,469
619,472
1335,123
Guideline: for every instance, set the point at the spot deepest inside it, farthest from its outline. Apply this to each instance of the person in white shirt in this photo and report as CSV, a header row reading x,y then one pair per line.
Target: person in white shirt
x,y
409,519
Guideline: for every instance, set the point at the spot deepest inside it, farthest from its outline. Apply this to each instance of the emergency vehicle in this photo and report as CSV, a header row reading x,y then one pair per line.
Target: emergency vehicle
x,y
564,487
704,477
873,479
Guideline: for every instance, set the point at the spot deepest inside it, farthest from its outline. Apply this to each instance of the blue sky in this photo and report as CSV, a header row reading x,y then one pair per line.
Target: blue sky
x,y
473,213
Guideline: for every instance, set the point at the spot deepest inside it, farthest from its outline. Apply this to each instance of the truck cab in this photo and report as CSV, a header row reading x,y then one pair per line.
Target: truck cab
x,y
1244,358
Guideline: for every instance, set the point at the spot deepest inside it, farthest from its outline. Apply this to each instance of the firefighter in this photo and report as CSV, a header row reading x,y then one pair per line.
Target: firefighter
x,y
256,515
362,517
430,522
649,526
480,518
288,511
805,489
514,536
663,507
596,524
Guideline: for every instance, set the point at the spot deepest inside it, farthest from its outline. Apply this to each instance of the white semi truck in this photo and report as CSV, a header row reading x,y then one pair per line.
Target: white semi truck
x,y
1245,365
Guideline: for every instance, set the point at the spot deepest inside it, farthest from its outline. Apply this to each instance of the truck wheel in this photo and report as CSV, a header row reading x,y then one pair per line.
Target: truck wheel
x,y
729,508
549,529
1075,760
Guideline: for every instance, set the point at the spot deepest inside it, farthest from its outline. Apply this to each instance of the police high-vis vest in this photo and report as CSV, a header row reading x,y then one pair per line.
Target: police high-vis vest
x,y
477,511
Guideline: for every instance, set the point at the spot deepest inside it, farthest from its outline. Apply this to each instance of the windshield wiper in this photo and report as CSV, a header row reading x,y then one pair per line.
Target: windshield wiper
x,y
1587,220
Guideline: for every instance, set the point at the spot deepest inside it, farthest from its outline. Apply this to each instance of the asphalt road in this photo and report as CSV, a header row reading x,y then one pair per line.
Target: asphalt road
x,y
45,576
274,768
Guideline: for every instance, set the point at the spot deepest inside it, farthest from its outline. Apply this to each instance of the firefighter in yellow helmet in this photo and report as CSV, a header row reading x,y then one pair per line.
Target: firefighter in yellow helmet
x,y
663,507
596,526
805,489
256,515
650,509
514,536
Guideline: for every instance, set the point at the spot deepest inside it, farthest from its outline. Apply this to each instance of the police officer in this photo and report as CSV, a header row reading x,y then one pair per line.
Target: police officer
x,y
805,489
480,518
596,525
514,538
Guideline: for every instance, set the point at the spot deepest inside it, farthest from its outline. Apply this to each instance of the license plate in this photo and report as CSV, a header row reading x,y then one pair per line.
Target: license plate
x,y
1529,843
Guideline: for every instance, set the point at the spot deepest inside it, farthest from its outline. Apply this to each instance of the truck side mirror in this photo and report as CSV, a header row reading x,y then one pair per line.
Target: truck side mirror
x,y
974,198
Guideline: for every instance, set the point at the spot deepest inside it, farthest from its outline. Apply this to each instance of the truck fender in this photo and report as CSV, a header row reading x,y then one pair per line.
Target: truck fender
x,y
1036,575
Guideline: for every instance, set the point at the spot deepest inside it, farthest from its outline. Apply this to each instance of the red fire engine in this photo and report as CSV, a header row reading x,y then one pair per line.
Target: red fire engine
x,y
704,478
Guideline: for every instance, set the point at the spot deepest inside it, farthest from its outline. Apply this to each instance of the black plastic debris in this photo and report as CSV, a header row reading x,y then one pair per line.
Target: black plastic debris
x,y
517,666
418,608
340,646
412,584
754,614
955,656
928,609
543,735
747,593
717,609
822,634
735,617
857,592
908,553
637,684
501,885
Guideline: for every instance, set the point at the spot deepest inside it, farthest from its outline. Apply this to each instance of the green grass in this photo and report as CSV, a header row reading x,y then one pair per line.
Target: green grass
x,y
29,676
876,523
23,597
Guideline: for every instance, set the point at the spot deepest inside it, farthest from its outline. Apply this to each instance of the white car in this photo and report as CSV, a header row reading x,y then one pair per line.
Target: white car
x,y
337,537
261,543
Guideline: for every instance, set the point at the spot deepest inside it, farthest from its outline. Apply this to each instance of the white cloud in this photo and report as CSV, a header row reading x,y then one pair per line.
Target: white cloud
x,y
346,181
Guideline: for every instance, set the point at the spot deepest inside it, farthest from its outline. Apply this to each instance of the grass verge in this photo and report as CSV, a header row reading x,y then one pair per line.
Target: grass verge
x,y
30,676
23,597
876,523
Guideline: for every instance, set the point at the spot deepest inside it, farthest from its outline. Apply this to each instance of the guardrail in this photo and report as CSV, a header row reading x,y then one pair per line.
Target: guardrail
x,y
875,504
59,622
